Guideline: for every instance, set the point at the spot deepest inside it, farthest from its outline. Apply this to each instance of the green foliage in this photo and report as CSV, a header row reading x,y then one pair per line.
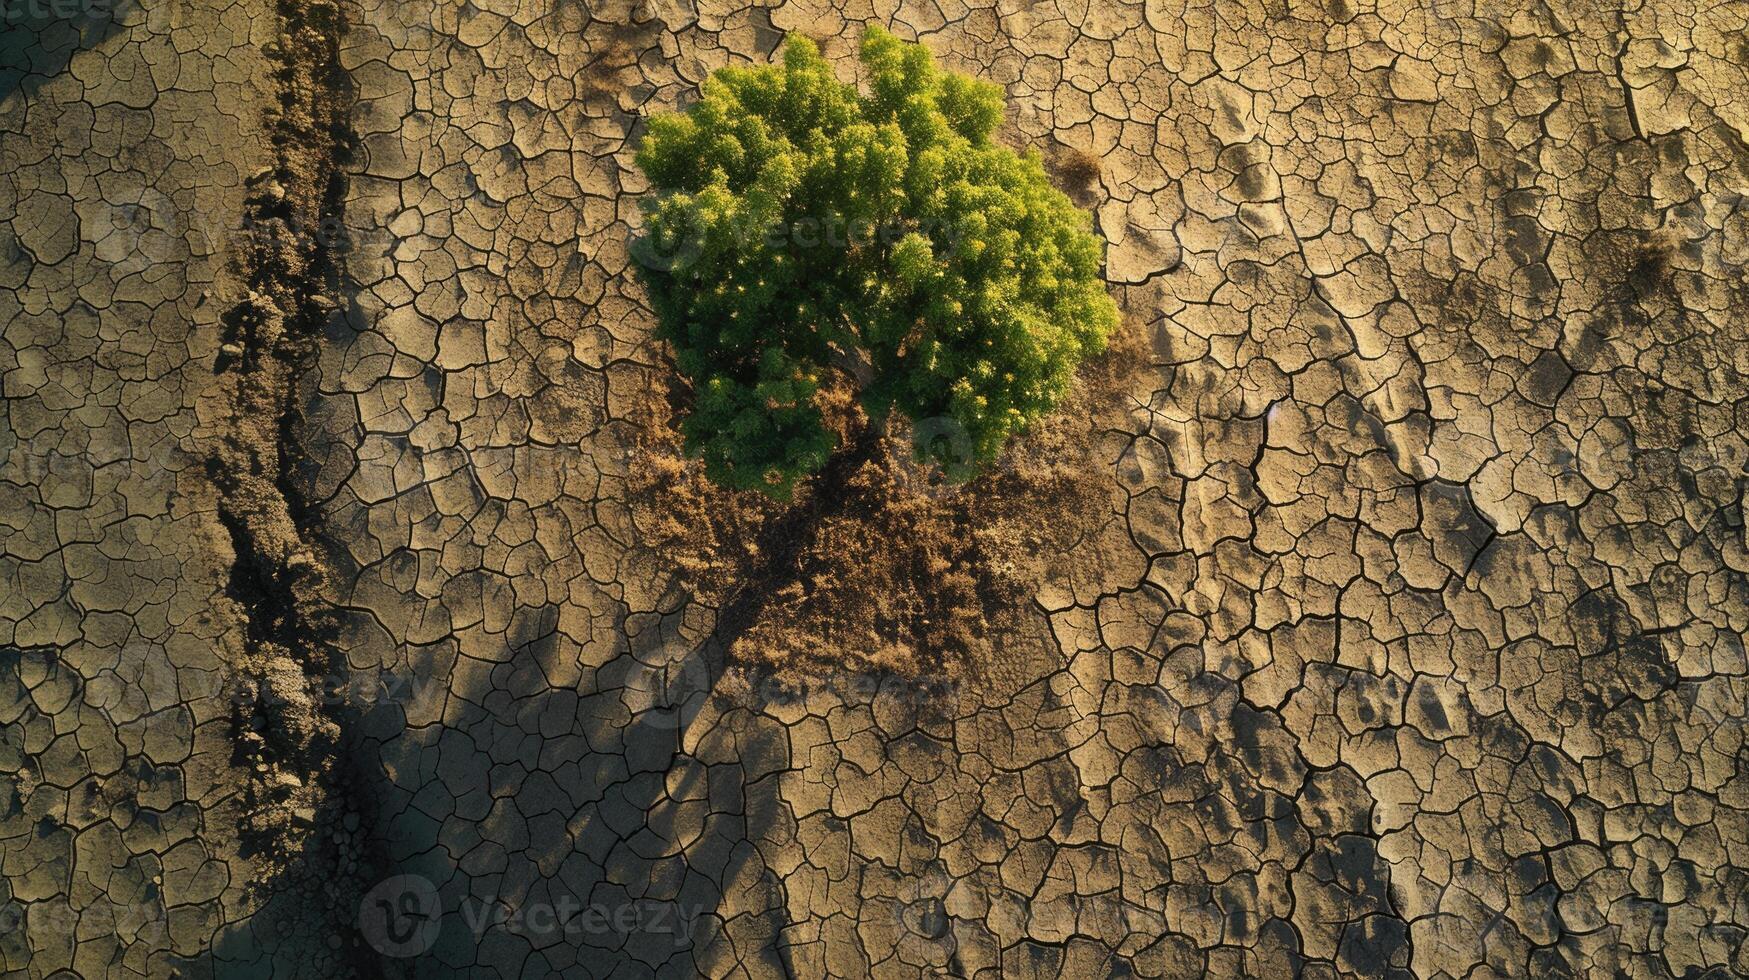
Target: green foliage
x,y
796,227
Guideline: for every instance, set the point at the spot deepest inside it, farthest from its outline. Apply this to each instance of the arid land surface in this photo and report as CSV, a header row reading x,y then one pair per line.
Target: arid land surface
x,y
1384,616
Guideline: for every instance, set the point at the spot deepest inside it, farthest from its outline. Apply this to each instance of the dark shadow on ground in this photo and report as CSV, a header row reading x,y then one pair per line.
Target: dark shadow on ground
x,y
38,38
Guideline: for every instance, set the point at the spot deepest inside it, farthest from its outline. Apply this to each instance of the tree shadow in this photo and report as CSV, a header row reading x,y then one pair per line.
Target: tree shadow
x,y
567,820
38,38
782,543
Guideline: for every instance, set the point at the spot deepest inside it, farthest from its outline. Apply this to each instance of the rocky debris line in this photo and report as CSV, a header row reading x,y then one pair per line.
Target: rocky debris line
x,y
167,174
126,140
294,686
290,224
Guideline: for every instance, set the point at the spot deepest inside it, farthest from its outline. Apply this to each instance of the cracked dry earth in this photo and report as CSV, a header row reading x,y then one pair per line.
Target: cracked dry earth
x,y
1411,645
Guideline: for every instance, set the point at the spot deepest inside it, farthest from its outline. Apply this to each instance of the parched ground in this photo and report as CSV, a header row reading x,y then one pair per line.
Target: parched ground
x,y
1400,632
121,801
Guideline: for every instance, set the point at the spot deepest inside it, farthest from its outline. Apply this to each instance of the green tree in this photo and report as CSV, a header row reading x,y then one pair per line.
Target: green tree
x,y
796,226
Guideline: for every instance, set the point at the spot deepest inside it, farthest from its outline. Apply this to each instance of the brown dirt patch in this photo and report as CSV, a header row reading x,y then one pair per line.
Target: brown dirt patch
x,y
877,565
1077,171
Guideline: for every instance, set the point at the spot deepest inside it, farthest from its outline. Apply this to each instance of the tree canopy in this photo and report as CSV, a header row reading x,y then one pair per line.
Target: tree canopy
x,y
796,226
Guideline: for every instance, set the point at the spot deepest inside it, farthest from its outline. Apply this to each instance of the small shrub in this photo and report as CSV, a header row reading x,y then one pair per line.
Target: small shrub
x,y
796,229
